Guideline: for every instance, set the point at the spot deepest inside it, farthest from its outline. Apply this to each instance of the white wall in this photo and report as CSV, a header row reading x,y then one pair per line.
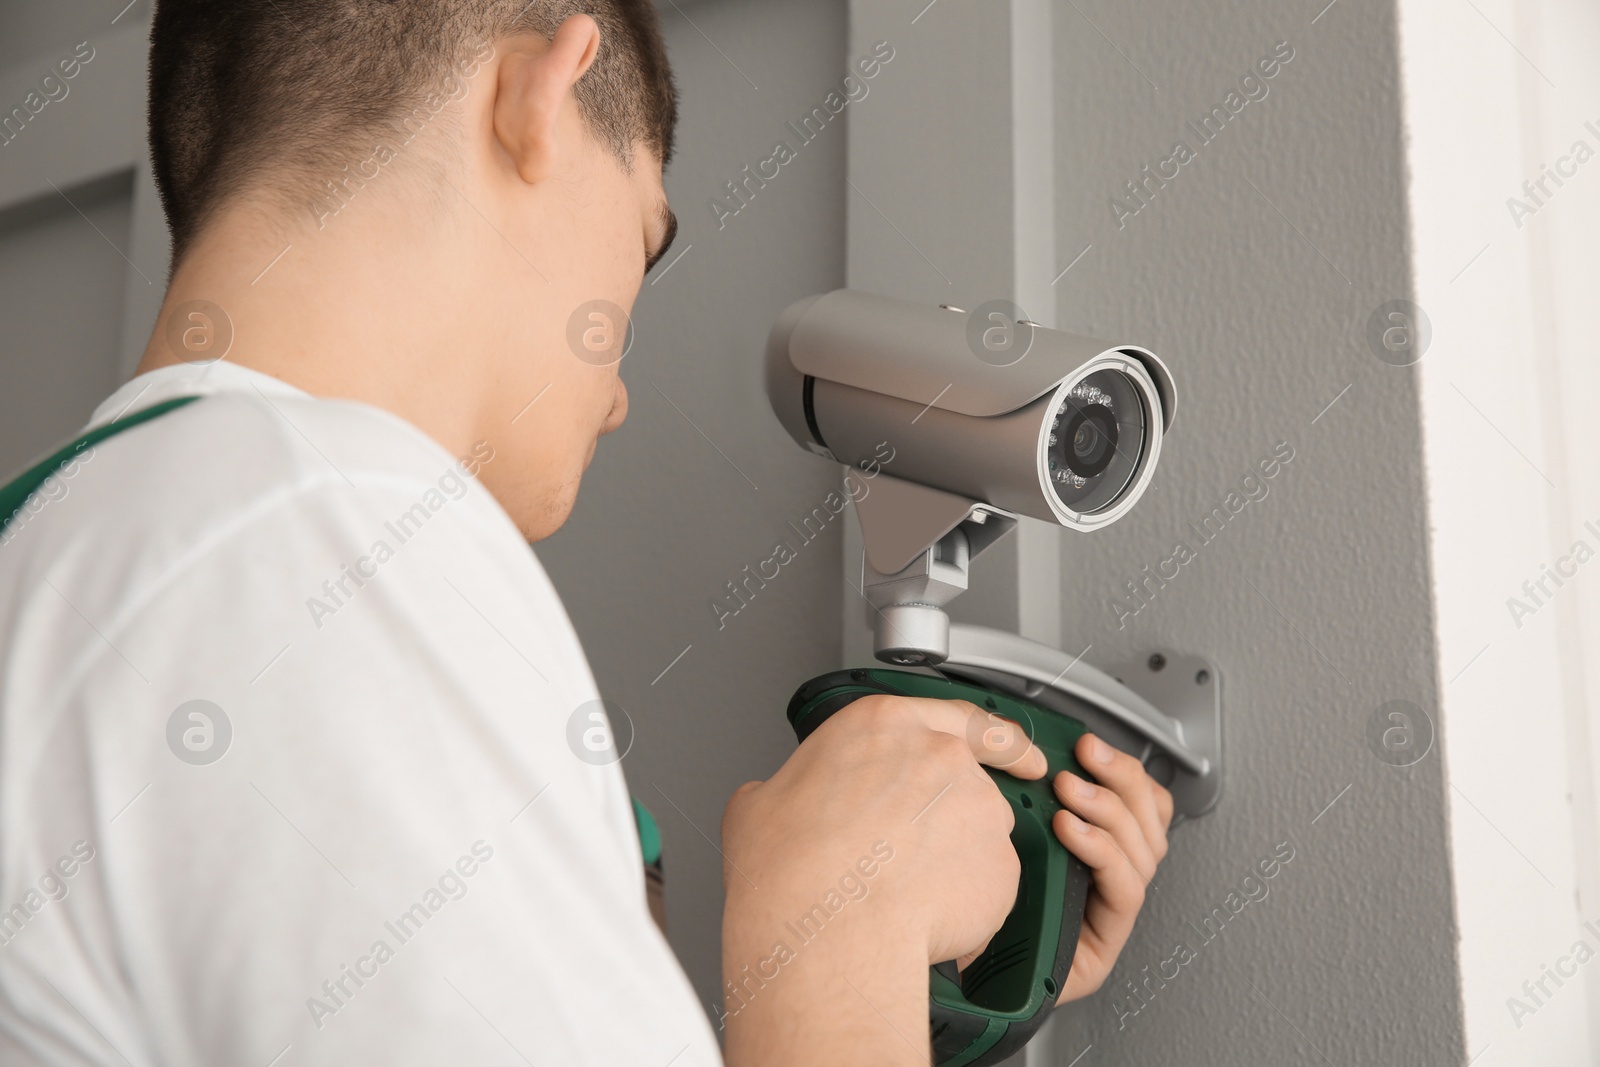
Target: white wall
x,y
1492,96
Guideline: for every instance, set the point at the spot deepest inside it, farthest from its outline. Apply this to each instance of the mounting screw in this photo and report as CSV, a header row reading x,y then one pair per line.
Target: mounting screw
x,y
1202,676
1157,661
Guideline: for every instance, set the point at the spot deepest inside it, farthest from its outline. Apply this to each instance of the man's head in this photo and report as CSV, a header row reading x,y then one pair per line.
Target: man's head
x,y
455,182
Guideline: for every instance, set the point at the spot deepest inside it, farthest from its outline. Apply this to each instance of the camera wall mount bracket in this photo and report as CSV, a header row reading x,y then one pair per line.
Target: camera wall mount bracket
x,y
918,545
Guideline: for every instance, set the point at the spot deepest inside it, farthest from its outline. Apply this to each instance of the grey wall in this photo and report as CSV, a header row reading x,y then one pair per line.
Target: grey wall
x,y
665,519
65,283
1315,599
61,292
31,27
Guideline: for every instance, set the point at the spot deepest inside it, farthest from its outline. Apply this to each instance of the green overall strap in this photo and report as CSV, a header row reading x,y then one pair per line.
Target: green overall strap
x,y
649,834
15,493
655,875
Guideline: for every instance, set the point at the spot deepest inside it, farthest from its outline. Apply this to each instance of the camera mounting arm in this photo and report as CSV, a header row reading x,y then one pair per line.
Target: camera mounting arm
x,y
918,544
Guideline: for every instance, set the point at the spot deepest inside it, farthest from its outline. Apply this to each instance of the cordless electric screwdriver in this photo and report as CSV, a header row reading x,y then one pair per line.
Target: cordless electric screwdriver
x,y
988,1011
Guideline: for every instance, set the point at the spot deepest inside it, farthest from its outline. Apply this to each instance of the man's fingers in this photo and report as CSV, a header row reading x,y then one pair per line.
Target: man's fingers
x,y
1126,776
1163,804
1100,806
1114,902
1117,826
1119,887
995,742
966,961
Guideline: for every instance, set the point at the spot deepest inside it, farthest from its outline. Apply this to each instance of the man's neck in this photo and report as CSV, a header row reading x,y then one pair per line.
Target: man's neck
x,y
346,313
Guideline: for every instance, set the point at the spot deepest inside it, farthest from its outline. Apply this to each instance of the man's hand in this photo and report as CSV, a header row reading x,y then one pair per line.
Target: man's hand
x,y
1118,828
825,956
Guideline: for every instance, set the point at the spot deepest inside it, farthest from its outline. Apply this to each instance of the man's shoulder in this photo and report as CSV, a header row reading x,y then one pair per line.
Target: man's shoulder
x,y
230,456
191,553
230,447
245,479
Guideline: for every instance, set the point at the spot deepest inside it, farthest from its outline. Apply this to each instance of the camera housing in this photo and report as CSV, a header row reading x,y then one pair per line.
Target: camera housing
x,y
984,405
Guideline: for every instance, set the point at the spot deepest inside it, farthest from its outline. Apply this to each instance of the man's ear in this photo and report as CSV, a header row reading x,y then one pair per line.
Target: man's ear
x,y
535,78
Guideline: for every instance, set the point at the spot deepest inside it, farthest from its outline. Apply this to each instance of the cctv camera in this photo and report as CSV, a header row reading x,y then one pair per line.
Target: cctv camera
x,y
986,405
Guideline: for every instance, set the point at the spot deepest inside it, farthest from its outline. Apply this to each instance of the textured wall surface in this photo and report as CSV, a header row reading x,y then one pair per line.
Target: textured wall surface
x,y
61,283
1254,272
667,516
60,308
32,26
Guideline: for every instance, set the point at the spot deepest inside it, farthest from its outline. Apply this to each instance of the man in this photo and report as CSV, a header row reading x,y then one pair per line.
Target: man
x,y
290,771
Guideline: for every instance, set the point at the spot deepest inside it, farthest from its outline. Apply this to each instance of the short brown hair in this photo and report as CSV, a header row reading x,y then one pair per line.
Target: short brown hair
x,y
245,91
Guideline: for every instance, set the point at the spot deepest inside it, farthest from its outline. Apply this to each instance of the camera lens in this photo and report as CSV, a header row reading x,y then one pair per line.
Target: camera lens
x,y
1093,433
1097,437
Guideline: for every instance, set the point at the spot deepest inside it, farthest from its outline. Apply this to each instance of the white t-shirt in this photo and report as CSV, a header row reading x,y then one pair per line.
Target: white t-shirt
x,y
382,836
